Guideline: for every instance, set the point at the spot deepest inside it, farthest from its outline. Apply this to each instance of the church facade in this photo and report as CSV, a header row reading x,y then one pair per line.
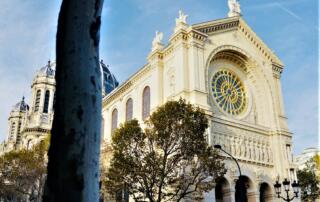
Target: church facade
x,y
221,66
224,68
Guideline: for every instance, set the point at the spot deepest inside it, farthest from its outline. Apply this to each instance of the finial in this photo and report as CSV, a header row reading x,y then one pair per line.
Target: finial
x,y
101,61
23,98
234,8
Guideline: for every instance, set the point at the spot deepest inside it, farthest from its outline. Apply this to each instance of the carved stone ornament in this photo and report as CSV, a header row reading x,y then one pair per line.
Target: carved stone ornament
x,y
157,41
234,8
182,19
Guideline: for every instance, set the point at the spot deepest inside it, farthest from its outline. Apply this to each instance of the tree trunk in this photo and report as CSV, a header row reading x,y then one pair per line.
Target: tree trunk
x,y
73,167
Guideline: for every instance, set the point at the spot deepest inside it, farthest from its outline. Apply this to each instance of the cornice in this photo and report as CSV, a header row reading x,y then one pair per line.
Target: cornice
x,y
180,35
215,26
259,44
241,125
125,86
277,70
237,23
194,34
117,92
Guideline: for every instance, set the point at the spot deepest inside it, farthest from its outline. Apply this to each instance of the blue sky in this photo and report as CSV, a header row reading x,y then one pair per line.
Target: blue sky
x,y
289,27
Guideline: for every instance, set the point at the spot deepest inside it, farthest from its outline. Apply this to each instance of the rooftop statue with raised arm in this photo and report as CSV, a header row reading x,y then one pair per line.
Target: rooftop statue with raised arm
x,y
234,8
157,40
182,18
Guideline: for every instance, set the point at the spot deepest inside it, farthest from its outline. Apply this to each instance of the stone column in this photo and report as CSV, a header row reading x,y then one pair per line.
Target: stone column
x,y
253,196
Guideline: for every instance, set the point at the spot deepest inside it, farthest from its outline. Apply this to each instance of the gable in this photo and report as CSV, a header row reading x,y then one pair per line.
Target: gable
x,y
237,23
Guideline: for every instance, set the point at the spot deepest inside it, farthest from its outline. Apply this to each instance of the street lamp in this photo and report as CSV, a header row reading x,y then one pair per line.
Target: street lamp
x,y
286,184
241,188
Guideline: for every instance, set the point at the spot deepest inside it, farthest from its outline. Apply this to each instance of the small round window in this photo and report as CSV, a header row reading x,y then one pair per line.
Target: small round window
x,y
228,92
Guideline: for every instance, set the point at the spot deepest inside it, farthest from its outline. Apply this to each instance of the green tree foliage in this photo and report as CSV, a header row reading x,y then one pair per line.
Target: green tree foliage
x,y
22,173
168,161
309,180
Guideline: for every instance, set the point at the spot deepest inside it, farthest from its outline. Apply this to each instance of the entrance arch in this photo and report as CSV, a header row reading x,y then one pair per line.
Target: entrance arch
x,y
265,193
221,193
245,188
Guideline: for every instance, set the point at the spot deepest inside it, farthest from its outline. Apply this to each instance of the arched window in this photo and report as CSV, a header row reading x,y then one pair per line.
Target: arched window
x,y
129,106
146,102
29,144
37,101
46,102
114,120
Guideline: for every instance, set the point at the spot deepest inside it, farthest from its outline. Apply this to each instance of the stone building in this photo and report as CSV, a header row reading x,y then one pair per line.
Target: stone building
x,y
27,126
223,67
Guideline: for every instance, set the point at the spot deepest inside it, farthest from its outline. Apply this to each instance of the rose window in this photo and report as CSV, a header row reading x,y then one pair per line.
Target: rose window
x,y
228,92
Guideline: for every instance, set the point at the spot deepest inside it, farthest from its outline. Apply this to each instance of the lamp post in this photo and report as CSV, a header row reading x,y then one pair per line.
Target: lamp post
x,y
286,184
241,189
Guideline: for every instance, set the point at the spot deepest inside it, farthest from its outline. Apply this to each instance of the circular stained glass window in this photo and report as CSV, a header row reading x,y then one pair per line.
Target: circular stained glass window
x,y
228,92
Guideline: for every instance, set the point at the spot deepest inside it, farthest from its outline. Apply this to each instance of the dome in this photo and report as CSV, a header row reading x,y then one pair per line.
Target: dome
x,y
20,106
47,70
109,80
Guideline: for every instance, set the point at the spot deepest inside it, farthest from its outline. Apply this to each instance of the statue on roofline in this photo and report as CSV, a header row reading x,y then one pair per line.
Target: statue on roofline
x,y
157,40
234,8
182,18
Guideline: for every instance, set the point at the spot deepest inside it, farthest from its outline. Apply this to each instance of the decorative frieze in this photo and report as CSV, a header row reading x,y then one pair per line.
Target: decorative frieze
x,y
243,145
225,26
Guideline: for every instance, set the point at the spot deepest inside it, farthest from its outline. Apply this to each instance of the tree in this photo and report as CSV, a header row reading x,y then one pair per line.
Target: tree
x,y
73,167
22,173
309,180
169,161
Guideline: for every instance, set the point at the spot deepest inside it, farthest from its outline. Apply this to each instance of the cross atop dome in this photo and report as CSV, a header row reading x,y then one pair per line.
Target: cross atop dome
x,y
234,8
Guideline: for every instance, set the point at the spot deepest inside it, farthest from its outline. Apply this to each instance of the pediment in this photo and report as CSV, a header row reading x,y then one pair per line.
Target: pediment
x,y
237,23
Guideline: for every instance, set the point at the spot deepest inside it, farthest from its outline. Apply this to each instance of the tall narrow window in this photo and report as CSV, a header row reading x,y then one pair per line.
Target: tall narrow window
x,y
146,102
37,101
29,144
129,109
114,120
13,128
46,102
19,127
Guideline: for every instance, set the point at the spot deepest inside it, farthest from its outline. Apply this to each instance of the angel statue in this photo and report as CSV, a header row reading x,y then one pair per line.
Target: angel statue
x,y
182,18
234,8
157,40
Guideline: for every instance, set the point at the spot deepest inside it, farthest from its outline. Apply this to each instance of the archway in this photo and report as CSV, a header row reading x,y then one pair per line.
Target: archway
x,y
265,193
244,190
221,193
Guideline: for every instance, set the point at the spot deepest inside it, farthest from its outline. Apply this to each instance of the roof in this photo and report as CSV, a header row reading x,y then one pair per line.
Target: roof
x,y
21,106
48,70
109,80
